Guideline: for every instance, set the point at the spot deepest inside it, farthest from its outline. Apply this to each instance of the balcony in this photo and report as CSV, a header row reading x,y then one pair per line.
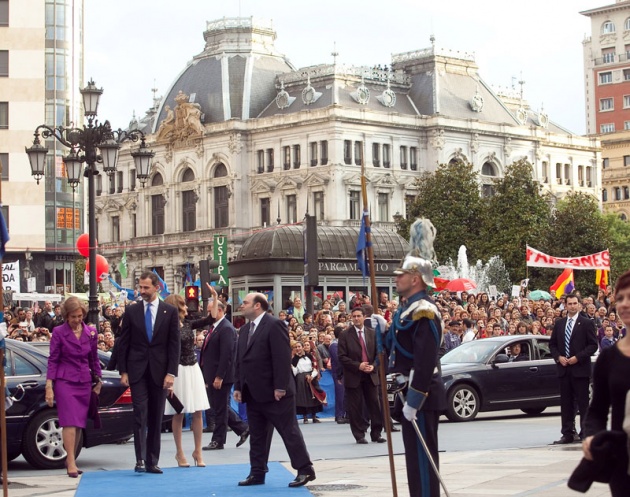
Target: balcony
x,y
607,59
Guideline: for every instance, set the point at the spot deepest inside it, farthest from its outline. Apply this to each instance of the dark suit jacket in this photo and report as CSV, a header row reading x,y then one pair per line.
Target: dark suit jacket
x,y
349,353
583,345
219,353
265,364
136,354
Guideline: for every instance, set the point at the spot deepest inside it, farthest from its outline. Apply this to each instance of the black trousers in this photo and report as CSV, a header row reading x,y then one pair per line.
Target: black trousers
x,y
355,397
573,391
148,408
263,417
422,480
224,416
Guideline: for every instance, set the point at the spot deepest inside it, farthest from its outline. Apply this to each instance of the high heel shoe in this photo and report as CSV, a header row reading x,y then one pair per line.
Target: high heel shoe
x,y
72,474
198,461
182,463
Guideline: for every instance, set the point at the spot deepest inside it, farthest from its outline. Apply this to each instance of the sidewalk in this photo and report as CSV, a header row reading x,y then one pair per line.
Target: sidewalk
x,y
540,472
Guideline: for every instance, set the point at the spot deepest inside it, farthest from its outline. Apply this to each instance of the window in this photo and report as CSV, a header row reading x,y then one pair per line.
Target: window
x,y
119,181
4,115
270,160
626,74
221,206
260,155
545,172
4,160
626,125
608,27
383,207
626,160
376,154
189,210
605,78
297,157
318,205
347,152
132,180
413,158
558,172
265,212
607,128
403,157
115,228
581,175
5,214
606,104
4,12
386,156
617,191
324,152
287,157
291,209
157,180
488,169
409,201
157,214
608,55
626,101
112,184
487,190
567,174
626,24
355,205
358,153
313,153
134,226
626,193
589,176
604,195
99,184
4,63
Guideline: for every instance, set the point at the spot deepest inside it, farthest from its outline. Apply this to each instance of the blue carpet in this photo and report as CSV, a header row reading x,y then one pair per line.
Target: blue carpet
x,y
211,481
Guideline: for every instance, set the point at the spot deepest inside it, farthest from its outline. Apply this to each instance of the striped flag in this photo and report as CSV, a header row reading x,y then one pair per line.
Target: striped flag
x,y
564,285
601,278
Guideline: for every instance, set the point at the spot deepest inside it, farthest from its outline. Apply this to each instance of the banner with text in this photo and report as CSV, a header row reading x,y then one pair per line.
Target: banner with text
x,y
600,260
11,276
220,255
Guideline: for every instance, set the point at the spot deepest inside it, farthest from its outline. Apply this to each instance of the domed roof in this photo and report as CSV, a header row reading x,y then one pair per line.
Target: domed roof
x,y
287,242
234,77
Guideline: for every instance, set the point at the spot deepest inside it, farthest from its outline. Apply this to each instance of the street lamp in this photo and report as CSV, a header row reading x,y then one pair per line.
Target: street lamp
x,y
92,144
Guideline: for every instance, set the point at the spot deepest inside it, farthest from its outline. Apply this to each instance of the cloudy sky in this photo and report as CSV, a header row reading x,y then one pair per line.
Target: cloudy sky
x,y
134,46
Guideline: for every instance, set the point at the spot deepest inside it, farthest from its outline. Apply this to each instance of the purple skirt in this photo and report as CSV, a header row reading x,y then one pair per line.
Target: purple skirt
x,y
73,400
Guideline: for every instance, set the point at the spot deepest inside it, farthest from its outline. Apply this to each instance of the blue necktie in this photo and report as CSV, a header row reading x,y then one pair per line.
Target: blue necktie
x,y
148,322
567,337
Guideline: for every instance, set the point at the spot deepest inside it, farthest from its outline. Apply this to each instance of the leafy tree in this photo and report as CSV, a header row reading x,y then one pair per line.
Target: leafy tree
x,y
498,275
79,269
618,244
450,198
516,215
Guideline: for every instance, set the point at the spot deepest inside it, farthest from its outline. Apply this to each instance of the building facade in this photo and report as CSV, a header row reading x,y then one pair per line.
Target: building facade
x,y
41,70
244,141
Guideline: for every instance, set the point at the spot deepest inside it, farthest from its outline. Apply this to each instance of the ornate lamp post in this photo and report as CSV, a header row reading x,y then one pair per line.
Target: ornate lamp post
x,y
92,144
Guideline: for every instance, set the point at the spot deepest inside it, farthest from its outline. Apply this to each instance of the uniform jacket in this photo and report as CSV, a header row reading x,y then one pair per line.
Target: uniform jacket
x,y
265,364
583,345
136,354
70,358
349,353
219,353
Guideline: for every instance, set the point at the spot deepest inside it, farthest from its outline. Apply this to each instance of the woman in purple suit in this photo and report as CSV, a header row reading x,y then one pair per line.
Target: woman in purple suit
x,y
72,362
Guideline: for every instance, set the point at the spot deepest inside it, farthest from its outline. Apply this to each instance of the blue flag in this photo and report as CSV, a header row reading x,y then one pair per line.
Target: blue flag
x,y
128,291
4,235
188,281
163,288
362,246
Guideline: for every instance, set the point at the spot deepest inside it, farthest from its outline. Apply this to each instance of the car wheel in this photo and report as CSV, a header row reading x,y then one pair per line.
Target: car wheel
x,y
463,403
533,411
42,445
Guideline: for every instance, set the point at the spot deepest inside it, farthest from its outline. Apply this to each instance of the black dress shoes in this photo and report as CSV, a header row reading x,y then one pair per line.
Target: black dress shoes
x,y
362,441
214,445
379,440
243,439
302,480
565,439
155,470
140,467
252,480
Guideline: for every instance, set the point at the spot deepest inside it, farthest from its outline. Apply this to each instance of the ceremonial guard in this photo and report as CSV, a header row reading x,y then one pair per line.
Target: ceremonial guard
x,y
413,343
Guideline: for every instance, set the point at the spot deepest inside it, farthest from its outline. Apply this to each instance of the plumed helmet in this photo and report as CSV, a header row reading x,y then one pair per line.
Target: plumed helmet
x,y
418,260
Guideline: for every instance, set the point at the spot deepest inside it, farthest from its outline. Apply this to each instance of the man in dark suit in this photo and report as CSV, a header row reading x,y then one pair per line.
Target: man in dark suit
x,y
357,352
217,365
264,381
148,358
573,342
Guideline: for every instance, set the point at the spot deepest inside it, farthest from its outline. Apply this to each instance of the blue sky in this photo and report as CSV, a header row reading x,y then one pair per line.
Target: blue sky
x,y
133,46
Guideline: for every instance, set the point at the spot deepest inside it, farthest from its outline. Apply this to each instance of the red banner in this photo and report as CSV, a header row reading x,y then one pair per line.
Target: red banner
x,y
600,260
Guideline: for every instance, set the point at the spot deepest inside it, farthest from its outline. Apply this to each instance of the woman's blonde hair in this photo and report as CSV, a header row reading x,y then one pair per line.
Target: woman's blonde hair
x,y
178,302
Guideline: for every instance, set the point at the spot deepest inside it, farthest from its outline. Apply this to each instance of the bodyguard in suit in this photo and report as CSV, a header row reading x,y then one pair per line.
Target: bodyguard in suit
x,y
357,352
573,342
217,365
148,358
264,381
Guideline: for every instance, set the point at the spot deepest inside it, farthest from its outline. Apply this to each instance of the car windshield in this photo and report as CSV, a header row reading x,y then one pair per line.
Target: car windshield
x,y
476,351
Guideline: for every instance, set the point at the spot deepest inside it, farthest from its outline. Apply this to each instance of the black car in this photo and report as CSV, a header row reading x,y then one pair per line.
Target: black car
x,y
103,357
33,428
485,375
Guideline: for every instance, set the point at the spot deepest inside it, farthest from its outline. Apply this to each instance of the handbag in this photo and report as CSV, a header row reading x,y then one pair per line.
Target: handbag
x,y
175,403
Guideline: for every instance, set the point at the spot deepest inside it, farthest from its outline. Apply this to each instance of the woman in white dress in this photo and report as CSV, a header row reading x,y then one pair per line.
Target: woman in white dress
x,y
189,387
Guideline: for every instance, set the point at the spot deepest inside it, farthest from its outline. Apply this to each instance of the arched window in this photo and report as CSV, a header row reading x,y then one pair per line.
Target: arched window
x,y
157,180
608,27
220,171
188,175
604,195
626,24
488,169
623,217
626,193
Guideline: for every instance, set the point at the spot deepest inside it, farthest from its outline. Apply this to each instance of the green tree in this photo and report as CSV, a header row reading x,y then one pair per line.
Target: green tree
x,y
517,215
79,269
618,244
450,198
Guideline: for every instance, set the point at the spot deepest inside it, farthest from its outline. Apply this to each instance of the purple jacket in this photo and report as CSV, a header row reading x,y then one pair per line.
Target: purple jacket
x,y
71,358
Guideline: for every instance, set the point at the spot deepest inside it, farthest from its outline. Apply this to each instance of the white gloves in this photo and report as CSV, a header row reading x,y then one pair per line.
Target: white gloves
x,y
409,412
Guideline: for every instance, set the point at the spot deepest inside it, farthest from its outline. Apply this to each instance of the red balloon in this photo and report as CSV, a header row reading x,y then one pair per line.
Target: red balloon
x,y
83,244
102,267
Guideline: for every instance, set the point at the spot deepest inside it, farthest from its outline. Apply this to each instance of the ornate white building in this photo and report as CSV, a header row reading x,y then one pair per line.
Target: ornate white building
x,y
243,141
